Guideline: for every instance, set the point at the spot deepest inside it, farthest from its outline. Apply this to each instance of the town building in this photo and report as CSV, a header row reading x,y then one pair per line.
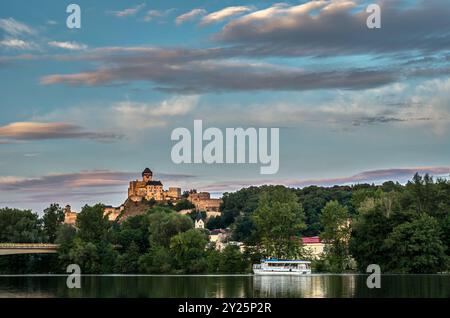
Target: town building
x,y
217,236
220,238
199,223
313,245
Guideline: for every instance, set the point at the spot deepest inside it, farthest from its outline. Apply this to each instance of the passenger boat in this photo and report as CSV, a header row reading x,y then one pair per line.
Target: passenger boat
x,y
273,266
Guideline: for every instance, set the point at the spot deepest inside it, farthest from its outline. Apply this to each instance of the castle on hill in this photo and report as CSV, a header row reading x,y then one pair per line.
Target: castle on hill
x,y
147,189
150,189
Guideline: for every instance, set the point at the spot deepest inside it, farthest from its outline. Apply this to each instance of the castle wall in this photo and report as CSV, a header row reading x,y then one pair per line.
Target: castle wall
x,y
173,193
209,205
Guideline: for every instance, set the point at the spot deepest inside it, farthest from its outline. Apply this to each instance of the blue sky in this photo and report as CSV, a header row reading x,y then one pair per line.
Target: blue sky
x,y
85,110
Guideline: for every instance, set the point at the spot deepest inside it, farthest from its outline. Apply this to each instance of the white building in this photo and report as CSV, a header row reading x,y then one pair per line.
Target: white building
x,y
199,223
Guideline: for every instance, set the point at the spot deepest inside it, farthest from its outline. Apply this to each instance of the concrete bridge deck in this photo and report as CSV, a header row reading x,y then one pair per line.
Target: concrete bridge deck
x,y
27,248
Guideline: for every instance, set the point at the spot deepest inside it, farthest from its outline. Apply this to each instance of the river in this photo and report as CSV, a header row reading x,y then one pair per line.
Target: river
x,y
316,286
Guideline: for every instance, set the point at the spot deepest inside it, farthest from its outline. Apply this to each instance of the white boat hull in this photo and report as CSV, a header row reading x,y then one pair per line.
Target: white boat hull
x,y
278,272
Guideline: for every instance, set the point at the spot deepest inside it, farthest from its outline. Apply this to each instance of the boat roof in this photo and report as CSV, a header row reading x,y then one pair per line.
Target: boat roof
x,y
275,260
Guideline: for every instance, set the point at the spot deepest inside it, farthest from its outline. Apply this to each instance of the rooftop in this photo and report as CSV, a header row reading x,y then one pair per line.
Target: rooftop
x,y
311,240
275,260
147,170
154,183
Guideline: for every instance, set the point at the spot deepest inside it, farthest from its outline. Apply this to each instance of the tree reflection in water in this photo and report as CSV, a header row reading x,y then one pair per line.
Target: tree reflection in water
x,y
218,286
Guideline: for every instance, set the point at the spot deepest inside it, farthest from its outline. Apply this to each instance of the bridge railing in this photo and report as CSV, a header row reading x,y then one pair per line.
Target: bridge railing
x,y
28,245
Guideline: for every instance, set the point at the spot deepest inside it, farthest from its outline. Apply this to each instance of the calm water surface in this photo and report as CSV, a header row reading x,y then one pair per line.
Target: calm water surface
x,y
317,286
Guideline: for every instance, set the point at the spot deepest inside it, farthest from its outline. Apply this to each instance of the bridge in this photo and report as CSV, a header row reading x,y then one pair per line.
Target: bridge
x,y
27,248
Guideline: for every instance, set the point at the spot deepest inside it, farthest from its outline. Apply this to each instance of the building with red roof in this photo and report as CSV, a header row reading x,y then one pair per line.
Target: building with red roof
x,y
314,245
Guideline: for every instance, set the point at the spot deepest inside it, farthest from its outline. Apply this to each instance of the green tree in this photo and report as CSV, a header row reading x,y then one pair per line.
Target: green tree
x,y
65,234
189,250
52,219
20,226
244,230
134,229
65,239
213,257
92,224
369,230
279,220
231,260
446,233
244,201
314,199
421,195
156,261
85,254
214,223
415,247
91,257
163,226
184,204
336,233
108,256
91,248
128,261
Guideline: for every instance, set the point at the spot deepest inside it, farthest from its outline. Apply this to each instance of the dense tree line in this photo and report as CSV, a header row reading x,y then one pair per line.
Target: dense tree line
x,y
159,241
403,228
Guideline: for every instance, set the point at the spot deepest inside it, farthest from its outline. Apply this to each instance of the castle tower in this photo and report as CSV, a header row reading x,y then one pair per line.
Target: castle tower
x,y
147,175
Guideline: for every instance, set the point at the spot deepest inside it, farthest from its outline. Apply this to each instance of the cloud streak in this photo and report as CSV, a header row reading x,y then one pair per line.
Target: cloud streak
x,y
72,46
138,115
84,187
189,16
83,179
28,131
217,76
315,29
15,28
127,117
156,14
377,176
324,28
223,14
401,175
128,11
17,44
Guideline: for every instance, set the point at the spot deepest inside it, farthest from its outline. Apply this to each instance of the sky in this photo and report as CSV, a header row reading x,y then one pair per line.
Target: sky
x,y
84,111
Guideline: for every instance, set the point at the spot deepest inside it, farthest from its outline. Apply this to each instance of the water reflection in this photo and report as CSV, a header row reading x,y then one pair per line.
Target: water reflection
x,y
287,286
315,286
